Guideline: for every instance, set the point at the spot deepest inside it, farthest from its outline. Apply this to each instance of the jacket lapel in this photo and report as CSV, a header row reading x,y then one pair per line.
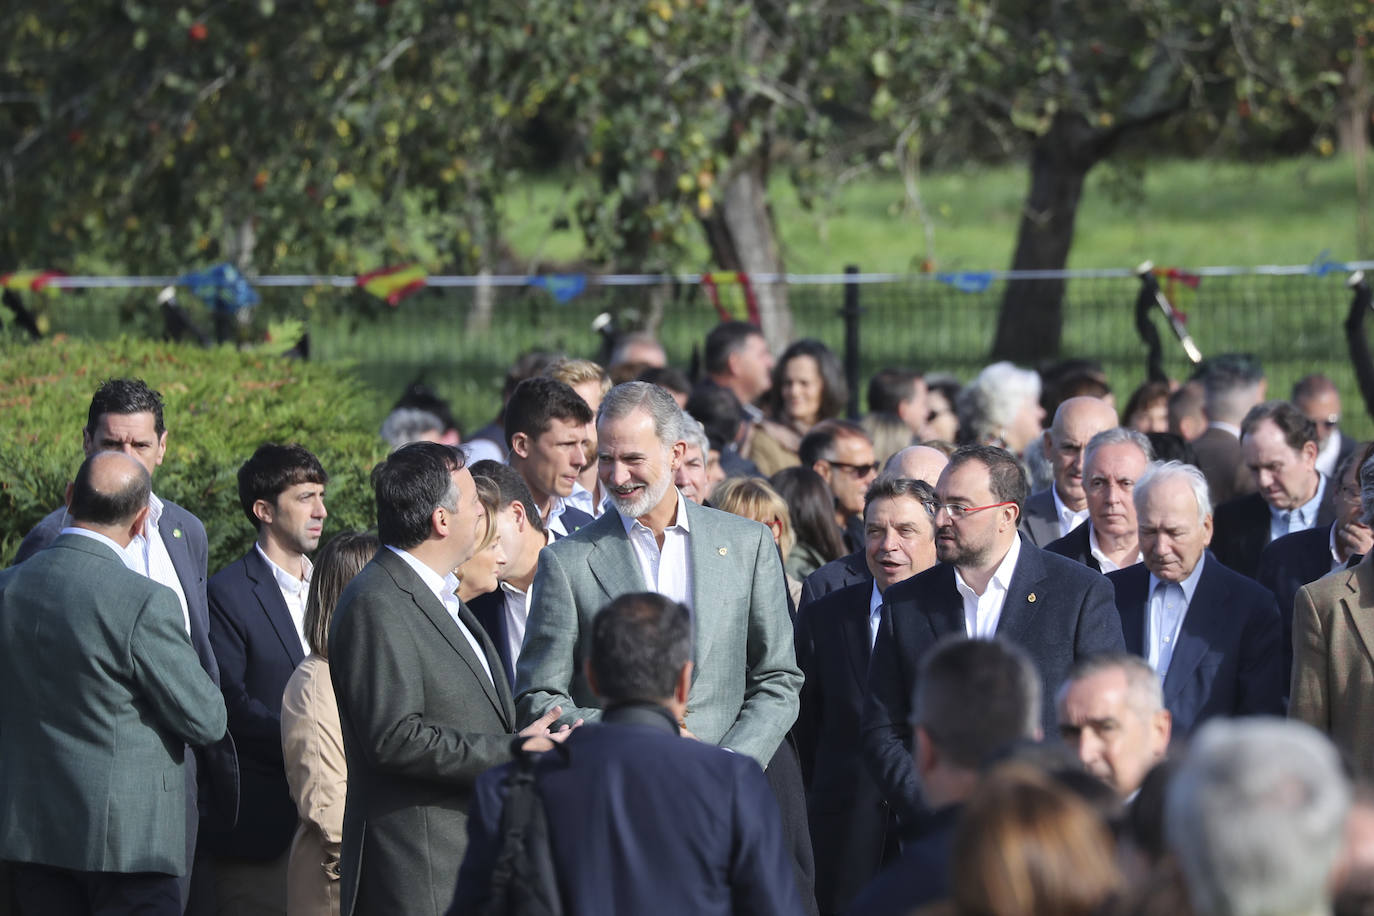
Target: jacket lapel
x,y
854,634
612,560
712,568
1360,582
1198,630
1132,604
503,695
269,596
945,609
1025,594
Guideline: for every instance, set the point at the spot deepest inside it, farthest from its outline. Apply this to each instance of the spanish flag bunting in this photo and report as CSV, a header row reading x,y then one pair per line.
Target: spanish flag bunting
x,y
29,280
732,295
393,284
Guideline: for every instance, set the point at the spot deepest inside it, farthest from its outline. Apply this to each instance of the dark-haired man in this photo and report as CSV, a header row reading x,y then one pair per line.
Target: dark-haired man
x,y
990,581
545,424
842,453
423,706
257,628
629,783
899,393
100,692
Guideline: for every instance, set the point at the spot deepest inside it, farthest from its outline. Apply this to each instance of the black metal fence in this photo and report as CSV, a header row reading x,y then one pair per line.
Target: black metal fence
x,y
461,339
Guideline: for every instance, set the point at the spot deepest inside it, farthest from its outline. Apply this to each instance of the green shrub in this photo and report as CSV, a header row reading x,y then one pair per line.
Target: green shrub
x,y
221,404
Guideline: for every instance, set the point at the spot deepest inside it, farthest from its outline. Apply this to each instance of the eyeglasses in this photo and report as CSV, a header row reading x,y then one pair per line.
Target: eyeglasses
x,y
1330,421
956,512
858,470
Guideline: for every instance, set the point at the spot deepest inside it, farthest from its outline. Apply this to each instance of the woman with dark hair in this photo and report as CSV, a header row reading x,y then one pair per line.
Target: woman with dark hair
x,y
1147,410
312,743
808,387
812,506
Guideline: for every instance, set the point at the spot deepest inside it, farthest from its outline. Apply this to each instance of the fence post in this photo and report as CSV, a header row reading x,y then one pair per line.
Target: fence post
x,y
851,313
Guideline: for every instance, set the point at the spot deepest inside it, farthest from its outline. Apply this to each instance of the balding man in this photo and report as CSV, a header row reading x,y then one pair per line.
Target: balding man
x,y
1316,396
1211,634
1112,715
915,462
1063,506
100,692
1113,461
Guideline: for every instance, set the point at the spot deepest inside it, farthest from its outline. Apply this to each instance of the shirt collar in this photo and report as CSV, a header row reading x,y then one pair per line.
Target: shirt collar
x,y
154,510
1231,428
97,536
680,523
443,587
1001,575
1101,555
1189,585
1062,511
1307,512
875,599
287,582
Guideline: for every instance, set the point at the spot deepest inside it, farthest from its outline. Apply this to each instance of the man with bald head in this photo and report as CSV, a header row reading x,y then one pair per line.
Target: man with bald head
x,y
100,692
1063,506
915,462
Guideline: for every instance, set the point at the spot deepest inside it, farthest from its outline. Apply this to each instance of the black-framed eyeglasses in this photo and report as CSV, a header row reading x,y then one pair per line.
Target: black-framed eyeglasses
x,y
858,470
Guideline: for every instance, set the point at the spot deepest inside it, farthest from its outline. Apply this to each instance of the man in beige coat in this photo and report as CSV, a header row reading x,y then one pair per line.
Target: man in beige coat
x,y
1333,650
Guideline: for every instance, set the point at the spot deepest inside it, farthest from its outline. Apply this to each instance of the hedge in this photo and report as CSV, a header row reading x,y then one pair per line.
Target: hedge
x,y
220,405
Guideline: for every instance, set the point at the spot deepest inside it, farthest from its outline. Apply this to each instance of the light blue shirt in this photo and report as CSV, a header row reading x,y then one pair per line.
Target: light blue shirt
x,y
1287,521
1168,606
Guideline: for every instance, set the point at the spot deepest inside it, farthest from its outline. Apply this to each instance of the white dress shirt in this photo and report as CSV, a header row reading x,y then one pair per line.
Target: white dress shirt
x,y
97,536
1287,521
1336,561
293,591
667,570
586,500
1068,519
554,523
875,614
445,588
1164,619
148,556
1102,559
516,607
983,612
1329,455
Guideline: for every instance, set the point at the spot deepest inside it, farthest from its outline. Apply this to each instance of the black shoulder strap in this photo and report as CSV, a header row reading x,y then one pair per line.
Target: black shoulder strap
x,y
523,879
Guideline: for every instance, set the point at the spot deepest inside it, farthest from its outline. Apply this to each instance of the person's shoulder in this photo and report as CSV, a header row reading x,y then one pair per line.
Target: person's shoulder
x,y
1314,541
608,524
1234,587
1041,502
1240,508
838,600
233,575
726,523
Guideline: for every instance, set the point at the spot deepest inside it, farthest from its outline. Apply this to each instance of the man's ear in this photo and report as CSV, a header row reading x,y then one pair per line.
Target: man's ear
x,y
822,467
264,511
520,445
137,527
522,519
683,688
1047,443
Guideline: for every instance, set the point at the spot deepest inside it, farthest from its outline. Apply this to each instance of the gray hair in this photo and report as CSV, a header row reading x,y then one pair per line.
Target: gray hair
x,y
1256,815
990,402
1171,470
627,397
1144,689
1118,435
409,424
693,433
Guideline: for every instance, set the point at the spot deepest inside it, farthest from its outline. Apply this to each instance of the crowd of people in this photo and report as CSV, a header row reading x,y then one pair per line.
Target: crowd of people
x,y
646,644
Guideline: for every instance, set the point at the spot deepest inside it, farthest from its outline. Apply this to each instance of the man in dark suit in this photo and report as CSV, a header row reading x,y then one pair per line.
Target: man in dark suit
x,y
257,615
842,453
1303,557
990,582
125,415
849,820
1113,461
955,738
1063,506
423,706
1232,383
1279,446
100,692
546,422
504,612
630,783
1210,633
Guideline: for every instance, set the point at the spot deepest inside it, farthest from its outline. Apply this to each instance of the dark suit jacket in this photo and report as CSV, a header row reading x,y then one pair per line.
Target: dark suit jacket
x,y
919,877
1077,546
1285,566
257,648
642,821
1040,522
1057,610
1242,529
572,519
490,611
850,569
1219,459
849,819
1227,661
421,721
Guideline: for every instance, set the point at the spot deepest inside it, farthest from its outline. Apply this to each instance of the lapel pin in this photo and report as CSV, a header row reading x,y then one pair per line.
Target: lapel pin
x,y
176,532
1031,597
721,551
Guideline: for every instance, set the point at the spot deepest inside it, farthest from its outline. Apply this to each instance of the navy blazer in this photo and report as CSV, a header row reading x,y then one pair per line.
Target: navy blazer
x,y
258,648
1228,659
1077,546
490,611
848,818
1056,610
572,519
850,569
1242,529
1285,566
919,877
643,821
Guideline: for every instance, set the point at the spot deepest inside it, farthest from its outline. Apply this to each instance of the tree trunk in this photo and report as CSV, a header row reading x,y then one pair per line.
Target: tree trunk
x,y
1030,323
741,236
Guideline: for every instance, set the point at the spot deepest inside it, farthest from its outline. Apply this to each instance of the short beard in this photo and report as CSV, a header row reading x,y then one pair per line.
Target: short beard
x,y
635,508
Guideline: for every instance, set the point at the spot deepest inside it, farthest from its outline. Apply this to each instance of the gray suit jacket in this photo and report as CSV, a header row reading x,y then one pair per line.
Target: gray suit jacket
x,y
100,692
421,721
1040,523
745,681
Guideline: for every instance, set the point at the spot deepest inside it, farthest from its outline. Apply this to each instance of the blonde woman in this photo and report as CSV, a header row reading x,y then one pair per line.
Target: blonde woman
x,y
751,497
482,573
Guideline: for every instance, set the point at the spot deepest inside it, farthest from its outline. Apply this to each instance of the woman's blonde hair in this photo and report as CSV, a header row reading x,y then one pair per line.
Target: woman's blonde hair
x,y
750,497
490,497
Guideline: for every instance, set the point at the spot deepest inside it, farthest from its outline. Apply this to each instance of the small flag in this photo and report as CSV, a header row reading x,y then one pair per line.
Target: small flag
x,y
29,280
392,284
221,287
1323,265
966,282
564,287
732,294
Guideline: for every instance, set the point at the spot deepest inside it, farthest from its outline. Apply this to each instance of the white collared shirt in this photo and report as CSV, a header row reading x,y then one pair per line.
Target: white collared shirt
x,y
1287,521
1068,519
875,614
97,536
667,570
1329,455
983,612
293,591
147,555
1336,561
516,607
445,588
1164,619
1231,428
554,523
586,500
1102,559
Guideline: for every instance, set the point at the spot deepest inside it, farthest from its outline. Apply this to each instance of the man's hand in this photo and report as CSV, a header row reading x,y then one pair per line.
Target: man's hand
x,y
540,738
1353,539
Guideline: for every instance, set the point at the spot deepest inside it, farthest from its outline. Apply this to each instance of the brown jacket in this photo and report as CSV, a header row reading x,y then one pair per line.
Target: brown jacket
x,y
317,775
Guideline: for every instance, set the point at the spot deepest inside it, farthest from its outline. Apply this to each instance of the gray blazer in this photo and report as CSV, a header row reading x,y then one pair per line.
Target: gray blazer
x,y
100,692
421,721
1040,523
745,681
